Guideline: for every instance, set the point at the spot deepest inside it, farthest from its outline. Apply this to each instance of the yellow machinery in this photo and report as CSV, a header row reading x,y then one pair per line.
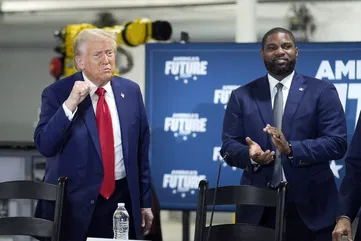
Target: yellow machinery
x,y
133,33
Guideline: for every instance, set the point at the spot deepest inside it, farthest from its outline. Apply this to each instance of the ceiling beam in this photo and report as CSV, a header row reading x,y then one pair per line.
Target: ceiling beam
x,y
8,6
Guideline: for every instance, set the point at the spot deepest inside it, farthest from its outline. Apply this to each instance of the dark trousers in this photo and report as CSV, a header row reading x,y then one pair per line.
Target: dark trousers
x,y
296,229
101,225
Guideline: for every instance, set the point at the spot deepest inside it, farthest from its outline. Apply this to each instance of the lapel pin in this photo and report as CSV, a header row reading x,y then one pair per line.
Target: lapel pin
x,y
301,89
122,95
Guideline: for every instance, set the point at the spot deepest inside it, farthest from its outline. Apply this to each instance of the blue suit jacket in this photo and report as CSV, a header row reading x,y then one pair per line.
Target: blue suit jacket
x,y
350,190
73,150
313,122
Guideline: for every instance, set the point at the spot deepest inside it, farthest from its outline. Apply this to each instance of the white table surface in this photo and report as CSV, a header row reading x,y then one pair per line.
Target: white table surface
x,y
108,239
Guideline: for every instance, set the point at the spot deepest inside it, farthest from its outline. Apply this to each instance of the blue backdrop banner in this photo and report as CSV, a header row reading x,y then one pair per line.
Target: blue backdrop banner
x,y
187,90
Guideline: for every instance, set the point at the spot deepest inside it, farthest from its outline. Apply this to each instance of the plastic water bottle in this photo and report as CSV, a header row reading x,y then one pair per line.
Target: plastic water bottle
x,y
121,223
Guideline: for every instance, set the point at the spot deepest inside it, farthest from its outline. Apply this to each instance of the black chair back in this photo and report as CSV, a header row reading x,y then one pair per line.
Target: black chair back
x,y
34,190
239,195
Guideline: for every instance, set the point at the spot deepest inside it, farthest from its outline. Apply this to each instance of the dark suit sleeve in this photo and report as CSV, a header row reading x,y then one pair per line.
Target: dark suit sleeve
x,y
233,137
331,143
53,125
350,190
143,157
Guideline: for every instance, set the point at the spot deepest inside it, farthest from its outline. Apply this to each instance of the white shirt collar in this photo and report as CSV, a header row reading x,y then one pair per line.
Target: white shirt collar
x,y
107,86
286,81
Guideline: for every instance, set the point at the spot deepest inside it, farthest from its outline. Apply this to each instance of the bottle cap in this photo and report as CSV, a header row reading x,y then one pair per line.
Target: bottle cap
x,y
121,204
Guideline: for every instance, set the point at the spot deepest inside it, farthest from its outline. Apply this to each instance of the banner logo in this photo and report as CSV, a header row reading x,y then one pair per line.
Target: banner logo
x,y
350,70
184,125
186,68
221,96
183,182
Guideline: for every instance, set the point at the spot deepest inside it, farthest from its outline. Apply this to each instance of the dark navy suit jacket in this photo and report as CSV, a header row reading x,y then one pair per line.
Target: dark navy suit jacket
x,y
73,150
350,190
313,122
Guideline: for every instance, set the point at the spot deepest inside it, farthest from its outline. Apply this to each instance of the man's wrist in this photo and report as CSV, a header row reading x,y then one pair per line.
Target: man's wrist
x,y
290,151
70,105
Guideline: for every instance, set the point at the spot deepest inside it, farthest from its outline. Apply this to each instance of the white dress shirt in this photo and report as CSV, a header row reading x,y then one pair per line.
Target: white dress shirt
x,y
287,81
285,89
109,98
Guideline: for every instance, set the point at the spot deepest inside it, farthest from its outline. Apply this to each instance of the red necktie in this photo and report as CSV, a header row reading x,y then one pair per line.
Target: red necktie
x,y
105,131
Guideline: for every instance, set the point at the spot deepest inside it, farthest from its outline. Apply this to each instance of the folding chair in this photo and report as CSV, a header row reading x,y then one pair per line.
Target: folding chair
x,y
234,195
30,226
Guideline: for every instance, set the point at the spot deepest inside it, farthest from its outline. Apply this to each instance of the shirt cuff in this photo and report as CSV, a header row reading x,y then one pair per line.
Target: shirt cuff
x,y
68,113
255,165
253,162
343,216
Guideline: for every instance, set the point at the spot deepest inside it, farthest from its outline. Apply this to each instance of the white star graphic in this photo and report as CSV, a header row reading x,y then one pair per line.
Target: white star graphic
x,y
335,168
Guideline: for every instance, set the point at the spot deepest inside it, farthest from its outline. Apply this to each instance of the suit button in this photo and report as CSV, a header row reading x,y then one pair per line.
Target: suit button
x,y
92,201
62,130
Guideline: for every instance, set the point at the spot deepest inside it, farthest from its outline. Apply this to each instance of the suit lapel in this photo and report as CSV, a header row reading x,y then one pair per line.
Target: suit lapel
x,y
120,94
262,95
87,112
90,121
298,88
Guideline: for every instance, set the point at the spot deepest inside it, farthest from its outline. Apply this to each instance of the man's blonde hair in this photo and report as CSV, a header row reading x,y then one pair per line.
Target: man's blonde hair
x,y
91,34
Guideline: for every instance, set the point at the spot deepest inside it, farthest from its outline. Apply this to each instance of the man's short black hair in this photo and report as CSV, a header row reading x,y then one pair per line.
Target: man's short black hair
x,y
277,30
